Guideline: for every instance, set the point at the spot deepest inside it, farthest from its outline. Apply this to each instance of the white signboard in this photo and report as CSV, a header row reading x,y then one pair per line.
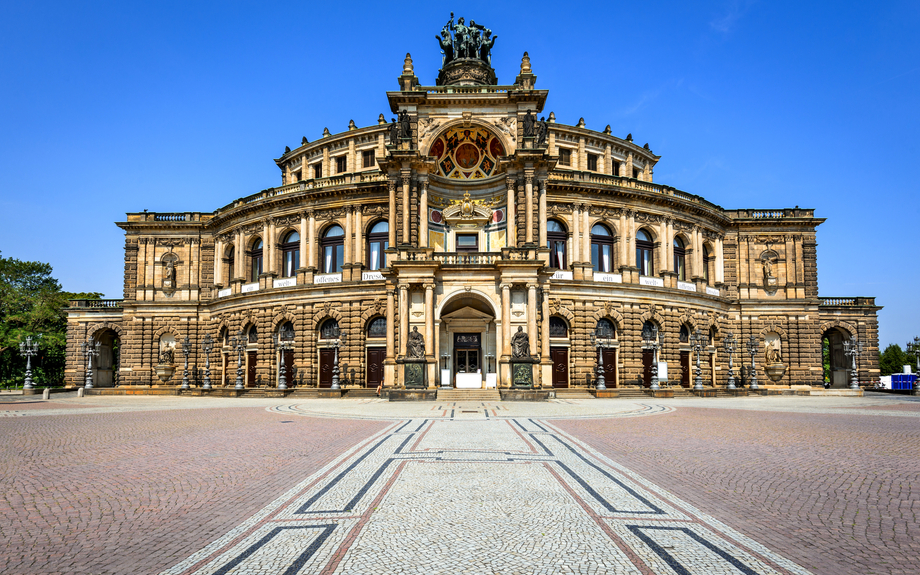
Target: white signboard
x,y
662,371
612,278
469,381
327,279
647,281
491,380
562,275
285,282
713,291
686,286
371,276
250,287
224,292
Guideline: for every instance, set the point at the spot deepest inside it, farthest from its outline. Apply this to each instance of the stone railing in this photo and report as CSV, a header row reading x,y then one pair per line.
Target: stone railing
x,y
770,214
629,183
97,303
845,301
467,258
315,184
466,89
168,217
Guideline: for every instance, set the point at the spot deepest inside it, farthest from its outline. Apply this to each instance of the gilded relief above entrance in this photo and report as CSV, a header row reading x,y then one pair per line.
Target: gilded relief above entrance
x,y
467,153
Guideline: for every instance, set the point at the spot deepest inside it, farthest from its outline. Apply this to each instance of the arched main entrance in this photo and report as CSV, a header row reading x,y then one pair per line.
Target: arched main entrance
x,y
105,373
836,365
467,342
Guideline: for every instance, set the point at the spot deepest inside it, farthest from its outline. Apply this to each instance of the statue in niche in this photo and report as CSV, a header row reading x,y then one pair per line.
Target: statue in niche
x,y
394,131
520,344
529,121
773,353
768,261
405,127
166,356
415,347
542,131
169,274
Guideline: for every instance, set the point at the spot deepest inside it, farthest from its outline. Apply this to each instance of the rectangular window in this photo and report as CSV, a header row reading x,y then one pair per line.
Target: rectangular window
x,y
635,173
376,255
333,259
467,242
317,171
565,157
369,158
592,162
341,164
616,168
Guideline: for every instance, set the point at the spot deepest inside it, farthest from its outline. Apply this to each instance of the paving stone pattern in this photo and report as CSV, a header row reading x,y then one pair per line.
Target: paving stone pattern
x,y
837,494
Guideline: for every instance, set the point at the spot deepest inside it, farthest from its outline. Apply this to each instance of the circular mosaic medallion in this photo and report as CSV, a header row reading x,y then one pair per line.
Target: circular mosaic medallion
x,y
467,153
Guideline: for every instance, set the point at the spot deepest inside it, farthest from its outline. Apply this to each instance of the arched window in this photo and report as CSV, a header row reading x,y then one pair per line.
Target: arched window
x,y
253,335
256,254
684,336
333,246
290,254
555,240
377,327
645,256
378,239
231,260
224,336
707,258
680,259
605,328
329,329
558,327
601,248
286,331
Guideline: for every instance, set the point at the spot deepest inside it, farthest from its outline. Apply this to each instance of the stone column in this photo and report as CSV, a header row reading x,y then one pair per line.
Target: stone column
x,y
429,319
391,214
266,246
406,237
218,261
311,240
140,292
359,236
528,194
542,214
423,215
273,264
576,239
303,240
623,239
586,233
403,318
532,317
790,262
720,262
608,161
506,320
631,247
240,254
629,165
664,228
391,322
509,217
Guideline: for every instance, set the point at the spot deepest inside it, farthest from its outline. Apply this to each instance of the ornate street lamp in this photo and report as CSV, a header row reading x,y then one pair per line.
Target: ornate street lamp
x,y
853,349
600,339
90,350
650,338
339,339
914,348
729,342
238,343
207,344
186,350
697,342
28,349
283,344
752,349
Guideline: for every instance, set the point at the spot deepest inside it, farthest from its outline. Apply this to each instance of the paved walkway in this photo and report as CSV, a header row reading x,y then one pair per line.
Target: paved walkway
x,y
768,485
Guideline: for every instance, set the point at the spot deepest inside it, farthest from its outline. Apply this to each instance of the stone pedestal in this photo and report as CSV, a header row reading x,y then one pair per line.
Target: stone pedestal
x,y
466,72
415,373
775,371
522,372
165,372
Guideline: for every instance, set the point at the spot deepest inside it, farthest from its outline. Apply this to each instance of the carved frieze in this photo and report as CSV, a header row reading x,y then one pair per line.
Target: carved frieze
x,y
508,127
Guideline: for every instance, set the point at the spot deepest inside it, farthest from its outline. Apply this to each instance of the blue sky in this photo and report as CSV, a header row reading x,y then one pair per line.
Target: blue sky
x,y
111,107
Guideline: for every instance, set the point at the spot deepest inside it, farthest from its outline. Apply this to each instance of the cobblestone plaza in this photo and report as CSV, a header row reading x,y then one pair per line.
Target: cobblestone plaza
x,y
106,484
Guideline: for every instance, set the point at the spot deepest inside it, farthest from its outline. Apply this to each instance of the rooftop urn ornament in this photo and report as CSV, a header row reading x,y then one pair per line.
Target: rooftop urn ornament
x,y
650,339
697,341
186,350
552,118
326,132
752,349
607,130
381,119
90,349
629,137
408,68
287,150
853,349
729,342
304,141
525,64
28,348
914,348
207,344
581,123
352,125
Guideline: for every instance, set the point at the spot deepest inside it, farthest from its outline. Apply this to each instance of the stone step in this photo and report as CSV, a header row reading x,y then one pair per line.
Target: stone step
x,y
469,395
572,393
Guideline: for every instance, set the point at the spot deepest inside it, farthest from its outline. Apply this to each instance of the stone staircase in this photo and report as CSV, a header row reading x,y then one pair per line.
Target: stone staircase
x,y
633,393
572,393
452,395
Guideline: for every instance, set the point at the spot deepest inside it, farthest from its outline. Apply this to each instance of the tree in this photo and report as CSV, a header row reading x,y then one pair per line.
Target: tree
x,y
31,303
893,360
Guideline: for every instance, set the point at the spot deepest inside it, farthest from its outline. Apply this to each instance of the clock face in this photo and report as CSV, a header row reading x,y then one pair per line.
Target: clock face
x,y
467,153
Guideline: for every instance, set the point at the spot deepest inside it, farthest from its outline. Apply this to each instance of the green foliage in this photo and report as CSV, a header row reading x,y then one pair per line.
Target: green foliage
x,y
31,303
893,360
826,358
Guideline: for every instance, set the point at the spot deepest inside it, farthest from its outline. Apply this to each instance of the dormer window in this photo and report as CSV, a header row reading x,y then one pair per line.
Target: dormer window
x,y
317,171
592,162
565,157
341,164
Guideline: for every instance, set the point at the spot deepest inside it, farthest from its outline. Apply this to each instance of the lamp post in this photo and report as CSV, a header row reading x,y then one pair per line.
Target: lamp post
x,y
90,350
600,339
238,343
752,349
284,344
914,348
853,349
650,338
207,344
186,350
729,342
28,349
697,342
339,338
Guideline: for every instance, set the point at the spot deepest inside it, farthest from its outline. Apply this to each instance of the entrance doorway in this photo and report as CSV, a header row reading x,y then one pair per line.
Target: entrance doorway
x,y
560,358
326,360
106,372
251,363
375,357
467,360
648,357
610,366
685,369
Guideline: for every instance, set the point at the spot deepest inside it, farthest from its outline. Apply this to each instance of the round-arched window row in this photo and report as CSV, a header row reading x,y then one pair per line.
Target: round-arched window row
x,y
378,240
556,236
601,248
255,254
290,254
333,250
645,254
680,259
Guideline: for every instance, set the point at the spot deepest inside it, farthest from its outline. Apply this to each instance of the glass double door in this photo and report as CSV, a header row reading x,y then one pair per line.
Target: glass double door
x,y
467,360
